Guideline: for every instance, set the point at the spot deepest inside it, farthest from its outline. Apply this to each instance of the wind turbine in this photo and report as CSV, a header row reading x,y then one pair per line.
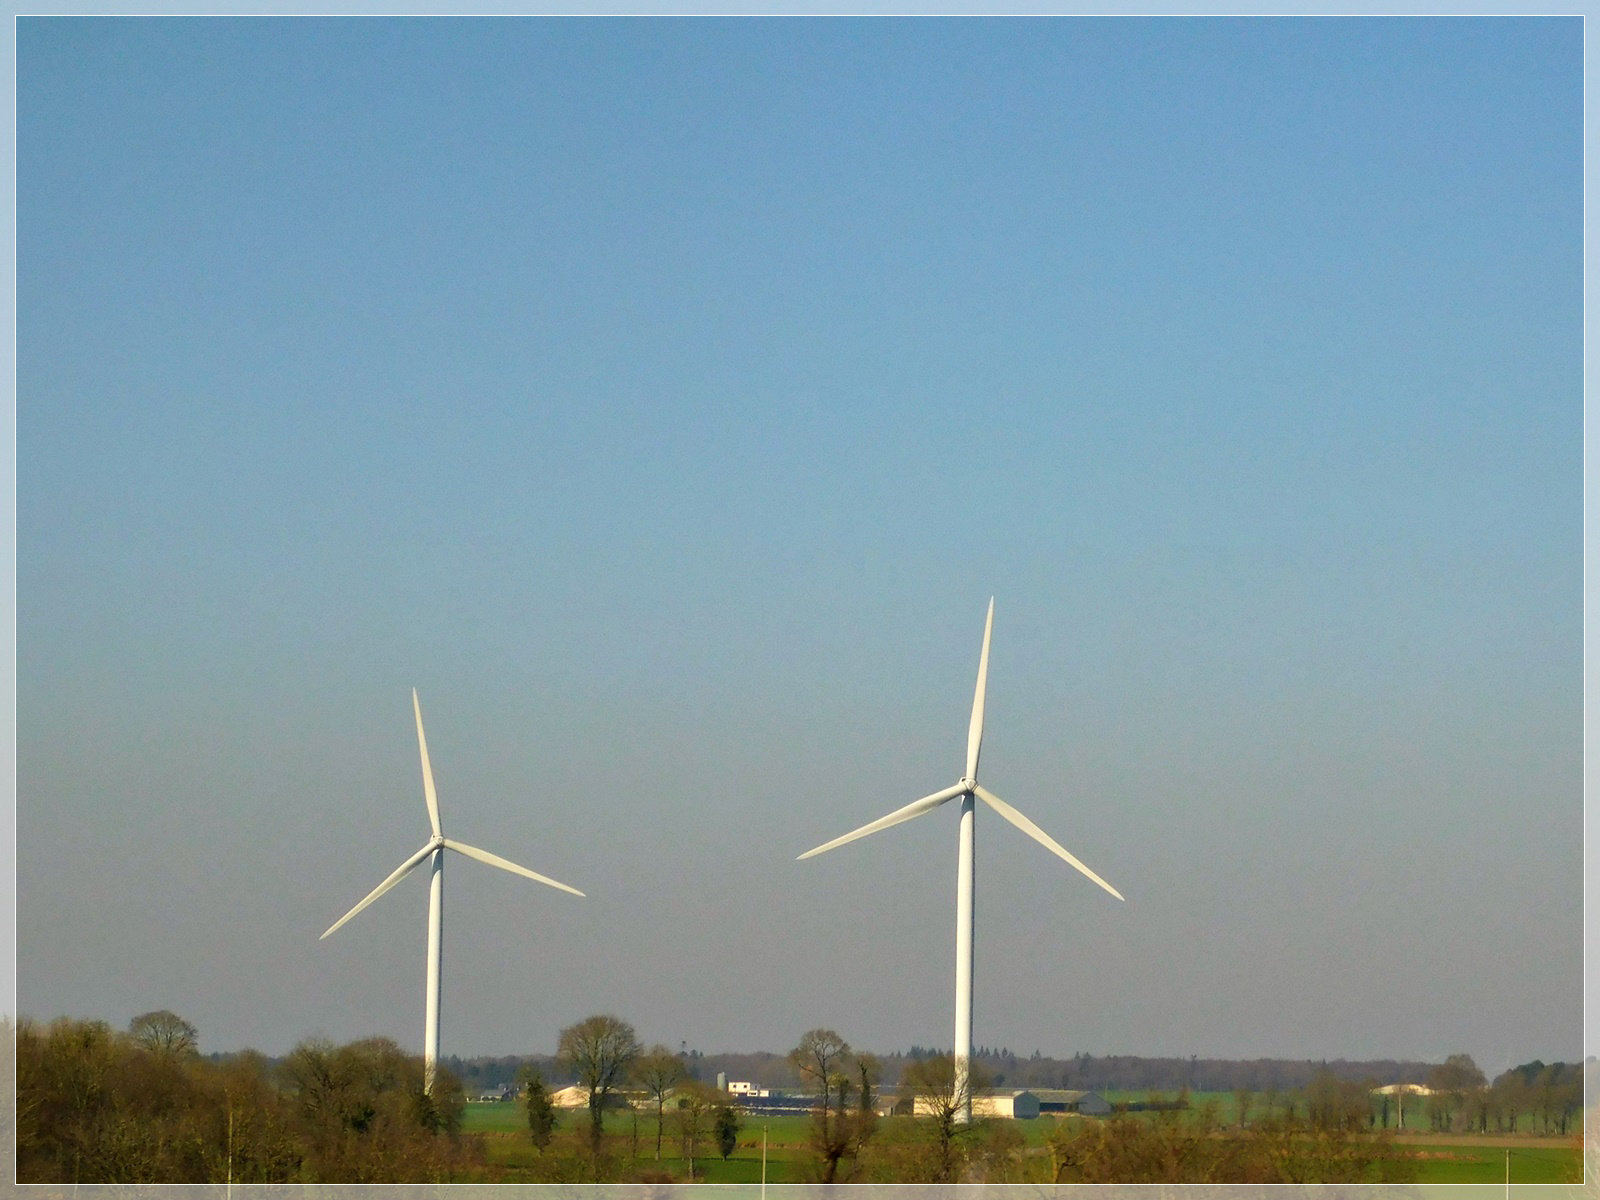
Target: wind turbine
x,y
434,850
969,790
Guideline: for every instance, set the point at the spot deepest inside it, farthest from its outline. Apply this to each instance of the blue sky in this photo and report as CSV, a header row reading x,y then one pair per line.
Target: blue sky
x,y
665,399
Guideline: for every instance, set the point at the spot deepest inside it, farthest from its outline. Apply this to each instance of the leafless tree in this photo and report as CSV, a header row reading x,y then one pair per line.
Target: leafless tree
x,y
164,1032
697,1106
941,1091
599,1050
659,1071
824,1061
818,1060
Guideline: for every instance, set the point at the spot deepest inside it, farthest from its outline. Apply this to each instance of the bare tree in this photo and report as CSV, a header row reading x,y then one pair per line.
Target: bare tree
x,y
164,1032
818,1059
659,1071
824,1061
940,1090
599,1050
697,1106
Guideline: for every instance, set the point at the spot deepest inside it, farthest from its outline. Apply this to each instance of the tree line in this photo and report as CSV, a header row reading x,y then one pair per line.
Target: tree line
x,y
97,1105
1545,1097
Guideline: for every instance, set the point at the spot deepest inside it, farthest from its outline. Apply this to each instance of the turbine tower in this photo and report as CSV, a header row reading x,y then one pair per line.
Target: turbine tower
x,y
969,790
434,850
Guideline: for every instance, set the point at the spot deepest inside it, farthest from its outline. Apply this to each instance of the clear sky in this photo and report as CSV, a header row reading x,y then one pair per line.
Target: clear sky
x,y
665,399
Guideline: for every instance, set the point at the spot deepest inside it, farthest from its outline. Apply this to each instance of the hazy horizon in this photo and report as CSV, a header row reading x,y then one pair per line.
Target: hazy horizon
x,y
664,400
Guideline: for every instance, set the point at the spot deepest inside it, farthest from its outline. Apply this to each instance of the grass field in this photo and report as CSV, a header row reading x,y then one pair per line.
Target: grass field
x,y
1460,1158
504,1129
1228,1110
1460,1161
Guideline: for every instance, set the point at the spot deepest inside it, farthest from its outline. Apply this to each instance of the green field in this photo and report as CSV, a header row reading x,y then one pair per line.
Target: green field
x,y
1227,1109
1460,1161
497,1118
1462,1158
504,1129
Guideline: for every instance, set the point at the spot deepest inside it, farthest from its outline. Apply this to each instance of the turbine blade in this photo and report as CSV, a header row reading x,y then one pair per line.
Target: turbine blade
x,y
915,809
428,794
494,860
975,730
400,873
1038,835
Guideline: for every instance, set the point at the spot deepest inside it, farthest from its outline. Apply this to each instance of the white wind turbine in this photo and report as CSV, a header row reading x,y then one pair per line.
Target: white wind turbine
x,y
434,849
967,788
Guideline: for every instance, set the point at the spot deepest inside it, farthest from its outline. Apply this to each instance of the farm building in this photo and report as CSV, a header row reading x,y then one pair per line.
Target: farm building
x,y
998,1102
577,1096
1408,1089
995,1102
1068,1100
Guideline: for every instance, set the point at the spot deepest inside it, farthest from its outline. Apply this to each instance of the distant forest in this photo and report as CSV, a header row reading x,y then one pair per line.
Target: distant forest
x,y
1114,1072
